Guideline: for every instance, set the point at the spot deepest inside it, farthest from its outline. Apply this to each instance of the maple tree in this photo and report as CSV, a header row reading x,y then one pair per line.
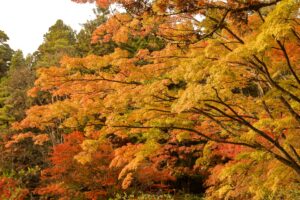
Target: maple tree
x,y
67,179
238,73
9,189
206,90
23,156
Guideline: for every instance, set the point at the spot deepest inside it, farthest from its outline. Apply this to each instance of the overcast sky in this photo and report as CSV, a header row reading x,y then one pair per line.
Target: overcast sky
x,y
26,21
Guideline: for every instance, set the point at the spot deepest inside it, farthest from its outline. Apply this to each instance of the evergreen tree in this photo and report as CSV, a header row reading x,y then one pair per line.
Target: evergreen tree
x,y
60,40
5,53
13,87
84,45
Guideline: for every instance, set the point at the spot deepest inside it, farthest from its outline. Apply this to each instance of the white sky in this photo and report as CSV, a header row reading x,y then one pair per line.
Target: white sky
x,y
26,21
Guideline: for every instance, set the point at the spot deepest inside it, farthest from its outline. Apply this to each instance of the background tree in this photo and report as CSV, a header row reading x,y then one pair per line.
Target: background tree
x,y
84,46
59,41
66,178
14,86
5,53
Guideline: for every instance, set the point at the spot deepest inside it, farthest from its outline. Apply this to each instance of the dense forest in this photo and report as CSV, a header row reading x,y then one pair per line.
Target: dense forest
x,y
156,99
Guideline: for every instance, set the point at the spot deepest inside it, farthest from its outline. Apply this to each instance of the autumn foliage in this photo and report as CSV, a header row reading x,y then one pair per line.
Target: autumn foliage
x,y
195,97
9,189
67,179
